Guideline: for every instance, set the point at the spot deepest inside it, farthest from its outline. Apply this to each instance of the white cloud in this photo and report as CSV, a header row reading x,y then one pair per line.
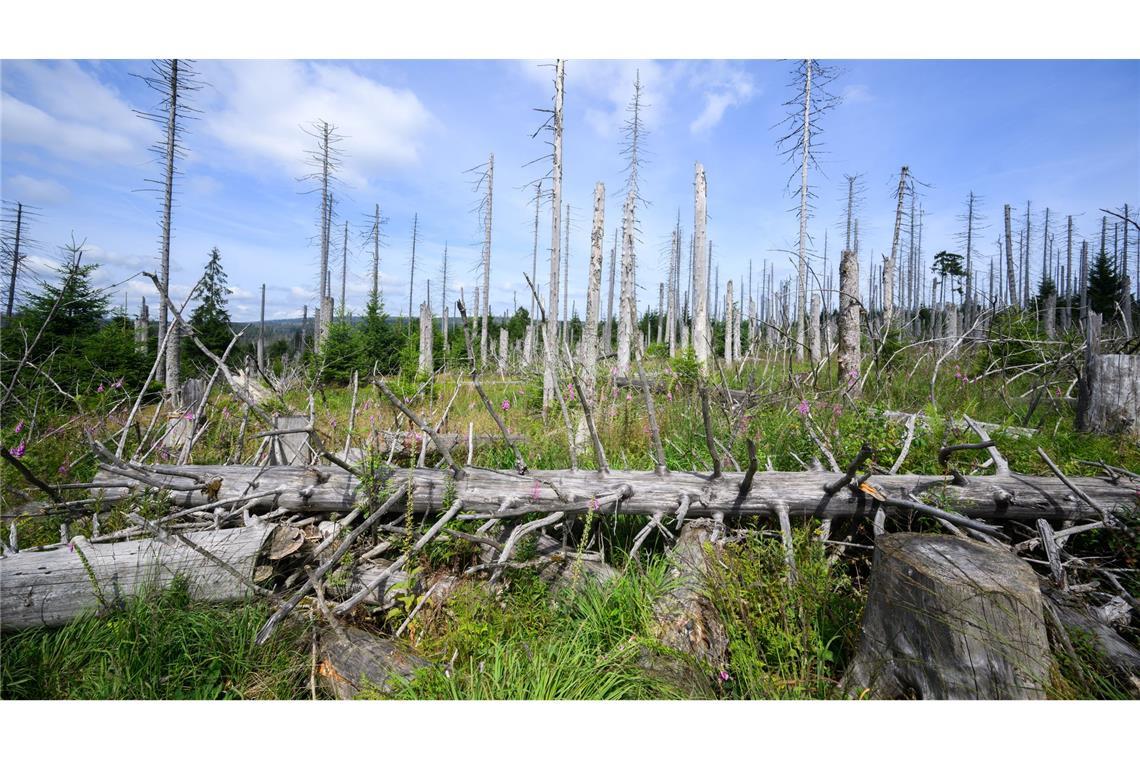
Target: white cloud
x,y
725,86
35,191
70,113
262,106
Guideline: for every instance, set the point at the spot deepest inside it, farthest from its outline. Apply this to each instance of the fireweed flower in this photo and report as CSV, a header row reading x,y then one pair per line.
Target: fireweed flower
x,y
505,406
19,427
18,451
803,408
724,676
100,388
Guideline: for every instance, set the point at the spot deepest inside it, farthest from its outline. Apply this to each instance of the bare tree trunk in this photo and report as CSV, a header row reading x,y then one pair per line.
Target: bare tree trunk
x,y
173,354
534,260
443,303
1011,275
849,335
261,333
412,268
626,308
969,260
504,349
142,328
728,357
593,298
701,338
607,329
814,344
487,259
15,261
801,273
551,337
425,363
888,294
1084,312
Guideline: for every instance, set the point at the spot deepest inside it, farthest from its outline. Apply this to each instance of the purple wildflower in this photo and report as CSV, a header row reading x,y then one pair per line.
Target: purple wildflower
x,y
19,427
505,406
100,388
803,408
18,451
724,676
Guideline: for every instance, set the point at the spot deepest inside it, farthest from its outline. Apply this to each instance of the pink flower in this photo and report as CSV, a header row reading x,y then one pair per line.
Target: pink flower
x,y
669,395
18,451
225,413
187,416
505,406
64,468
628,395
118,383
594,506
100,388
803,408
570,393
724,676
19,427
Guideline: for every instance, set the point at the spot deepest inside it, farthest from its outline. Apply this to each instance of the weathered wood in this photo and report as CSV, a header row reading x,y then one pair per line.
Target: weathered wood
x,y
684,619
849,334
950,618
1074,614
1114,394
352,659
332,489
56,586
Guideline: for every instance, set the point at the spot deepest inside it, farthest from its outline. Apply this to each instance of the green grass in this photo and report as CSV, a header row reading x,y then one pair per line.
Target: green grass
x,y
786,640
161,646
532,643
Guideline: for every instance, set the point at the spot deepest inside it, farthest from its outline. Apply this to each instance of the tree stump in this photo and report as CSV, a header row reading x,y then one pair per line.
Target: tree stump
x,y
685,620
1114,394
352,659
950,618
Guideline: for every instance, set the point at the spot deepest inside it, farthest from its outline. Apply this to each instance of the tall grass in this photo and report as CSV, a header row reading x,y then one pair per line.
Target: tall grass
x,y
160,646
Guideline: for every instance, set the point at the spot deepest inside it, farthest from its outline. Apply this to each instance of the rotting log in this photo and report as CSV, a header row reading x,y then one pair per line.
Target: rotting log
x,y
1075,615
55,586
352,659
950,618
685,620
483,491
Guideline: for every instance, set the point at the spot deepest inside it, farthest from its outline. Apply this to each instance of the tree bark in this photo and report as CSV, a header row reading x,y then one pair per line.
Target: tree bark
x,y
950,618
593,296
849,334
701,337
54,587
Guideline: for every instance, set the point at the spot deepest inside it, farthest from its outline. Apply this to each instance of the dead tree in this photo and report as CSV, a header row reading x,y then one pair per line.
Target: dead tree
x,y
485,182
325,161
425,365
261,333
701,337
551,337
849,333
1011,276
593,297
15,244
443,299
412,265
888,293
174,80
607,329
634,131
810,102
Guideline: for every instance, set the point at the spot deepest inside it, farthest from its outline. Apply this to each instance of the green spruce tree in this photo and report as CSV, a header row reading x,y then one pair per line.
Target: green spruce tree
x,y
1105,285
210,320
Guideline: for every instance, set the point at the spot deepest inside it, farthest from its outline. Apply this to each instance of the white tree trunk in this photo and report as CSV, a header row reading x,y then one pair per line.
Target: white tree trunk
x,y
504,349
888,294
487,260
626,307
814,340
849,320
801,274
729,358
551,336
425,364
593,296
701,338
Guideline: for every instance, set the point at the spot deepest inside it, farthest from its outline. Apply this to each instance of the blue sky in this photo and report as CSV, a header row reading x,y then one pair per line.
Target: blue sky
x,y
1062,134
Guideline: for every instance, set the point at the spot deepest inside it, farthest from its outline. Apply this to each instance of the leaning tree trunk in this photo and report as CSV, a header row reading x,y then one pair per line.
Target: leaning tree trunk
x,y
950,618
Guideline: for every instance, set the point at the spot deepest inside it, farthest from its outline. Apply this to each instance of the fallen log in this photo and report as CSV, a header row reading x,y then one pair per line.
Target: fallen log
x,y
54,587
505,492
986,427
1075,615
950,618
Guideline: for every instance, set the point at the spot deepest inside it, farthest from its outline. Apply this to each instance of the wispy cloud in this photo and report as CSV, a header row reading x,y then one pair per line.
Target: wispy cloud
x,y
262,106
37,191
